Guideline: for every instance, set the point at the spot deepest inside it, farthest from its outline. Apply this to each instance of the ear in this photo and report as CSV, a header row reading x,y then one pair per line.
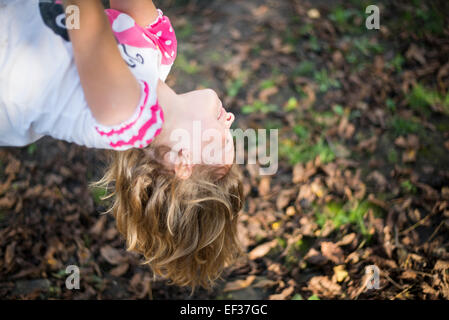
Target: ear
x,y
183,171
183,166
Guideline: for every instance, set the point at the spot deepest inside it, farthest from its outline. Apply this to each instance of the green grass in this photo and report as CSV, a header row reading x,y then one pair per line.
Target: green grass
x,y
98,194
397,62
305,150
186,31
408,187
341,214
393,156
234,87
291,104
189,67
401,126
298,296
338,109
306,29
367,47
344,19
304,69
391,105
259,106
422,99
423,17
314,45
324,81
271,124
266,84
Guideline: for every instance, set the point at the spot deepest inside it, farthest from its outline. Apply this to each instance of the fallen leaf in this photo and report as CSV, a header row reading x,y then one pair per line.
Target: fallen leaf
x,y
264,186
441,265
262,250
10,253
340,274
265,94
284,198
283,295
119,270
347,239
332,251
301,173
291,211
239,284
409,274
416,53
111,255
264,283
315,257
313,13
323,286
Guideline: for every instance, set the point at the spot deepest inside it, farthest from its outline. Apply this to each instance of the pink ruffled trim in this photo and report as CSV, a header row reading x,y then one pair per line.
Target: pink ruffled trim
x,y
158,35
143,110
158,19
131,124
142,131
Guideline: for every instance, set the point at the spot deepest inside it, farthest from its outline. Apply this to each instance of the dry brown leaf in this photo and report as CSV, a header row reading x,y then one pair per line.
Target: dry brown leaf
x,y
315,257
7,202
262,250
119,270
283,295
313,13
409,274
239,284
264,186
333,252
416,53
291,211
265,283
111,255
445,193
426,288
10,253
368,144
378,178
441,265
346,129
284,198
265,94
13,166
302,174
347,239
98,227
323,286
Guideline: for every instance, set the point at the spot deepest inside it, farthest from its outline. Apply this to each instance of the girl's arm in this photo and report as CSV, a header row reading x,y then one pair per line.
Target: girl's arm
x,y
111,90
143,12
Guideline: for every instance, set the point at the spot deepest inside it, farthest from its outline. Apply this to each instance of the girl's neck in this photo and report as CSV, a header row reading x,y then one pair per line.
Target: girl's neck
x,y
169,101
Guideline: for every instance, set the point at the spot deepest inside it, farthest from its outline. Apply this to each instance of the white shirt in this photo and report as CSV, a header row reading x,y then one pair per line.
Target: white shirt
x,y
40,89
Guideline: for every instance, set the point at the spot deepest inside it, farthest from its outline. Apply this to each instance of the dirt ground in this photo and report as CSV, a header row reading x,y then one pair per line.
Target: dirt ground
x,y
363,176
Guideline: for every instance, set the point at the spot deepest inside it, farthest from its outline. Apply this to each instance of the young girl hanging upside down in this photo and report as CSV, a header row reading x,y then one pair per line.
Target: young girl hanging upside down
x,y
98,81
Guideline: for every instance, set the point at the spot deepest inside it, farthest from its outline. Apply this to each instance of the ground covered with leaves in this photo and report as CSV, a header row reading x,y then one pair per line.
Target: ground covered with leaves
x,y
363,177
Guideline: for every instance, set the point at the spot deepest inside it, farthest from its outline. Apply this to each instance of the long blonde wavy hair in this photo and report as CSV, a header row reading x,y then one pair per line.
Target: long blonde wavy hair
x,y
186,229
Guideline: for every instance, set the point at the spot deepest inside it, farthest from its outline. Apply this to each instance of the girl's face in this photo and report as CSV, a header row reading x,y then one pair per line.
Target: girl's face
x,y
202,126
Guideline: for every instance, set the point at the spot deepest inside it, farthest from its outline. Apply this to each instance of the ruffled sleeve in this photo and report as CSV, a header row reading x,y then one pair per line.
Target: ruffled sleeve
x,y
139,130
159,35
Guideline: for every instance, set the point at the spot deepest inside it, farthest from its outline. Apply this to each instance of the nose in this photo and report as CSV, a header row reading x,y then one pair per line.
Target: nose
x,y
229,119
